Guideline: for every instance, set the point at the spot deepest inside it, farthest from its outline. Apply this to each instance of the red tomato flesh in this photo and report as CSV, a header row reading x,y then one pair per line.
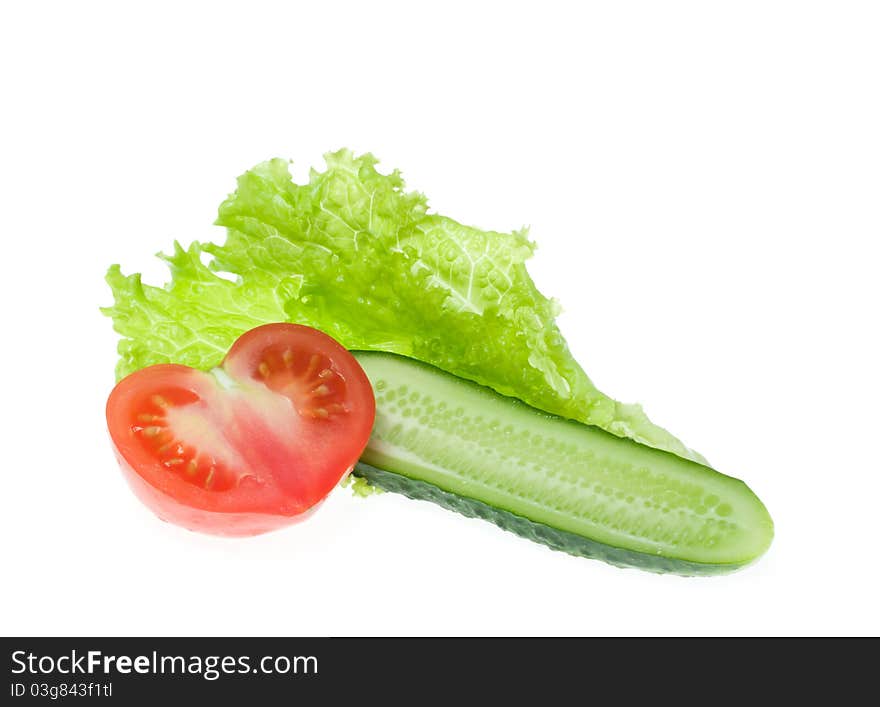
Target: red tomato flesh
x,y
251,446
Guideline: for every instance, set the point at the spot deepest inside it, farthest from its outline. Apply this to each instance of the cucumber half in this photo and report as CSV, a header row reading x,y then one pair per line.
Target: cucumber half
x,y
573,487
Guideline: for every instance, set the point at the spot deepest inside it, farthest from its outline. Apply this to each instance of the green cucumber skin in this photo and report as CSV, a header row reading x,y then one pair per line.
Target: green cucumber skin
x,y
582,492
538,532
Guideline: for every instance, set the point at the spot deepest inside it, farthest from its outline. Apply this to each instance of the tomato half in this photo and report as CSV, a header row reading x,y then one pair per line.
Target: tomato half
x,y
251,446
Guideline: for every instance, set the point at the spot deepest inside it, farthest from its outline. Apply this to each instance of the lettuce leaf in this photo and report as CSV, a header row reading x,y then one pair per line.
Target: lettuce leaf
x,y
355,255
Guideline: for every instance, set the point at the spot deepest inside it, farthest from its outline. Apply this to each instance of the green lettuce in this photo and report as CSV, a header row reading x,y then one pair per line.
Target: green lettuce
x,y
355,255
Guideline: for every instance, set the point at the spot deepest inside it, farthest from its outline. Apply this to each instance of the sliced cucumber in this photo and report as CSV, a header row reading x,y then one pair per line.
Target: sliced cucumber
x,y
570,486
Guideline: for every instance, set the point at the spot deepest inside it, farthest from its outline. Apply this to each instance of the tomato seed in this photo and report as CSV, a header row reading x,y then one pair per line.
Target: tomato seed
x,y
313,364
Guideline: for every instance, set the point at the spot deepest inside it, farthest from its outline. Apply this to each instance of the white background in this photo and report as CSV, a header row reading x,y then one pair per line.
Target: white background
x,y
702,179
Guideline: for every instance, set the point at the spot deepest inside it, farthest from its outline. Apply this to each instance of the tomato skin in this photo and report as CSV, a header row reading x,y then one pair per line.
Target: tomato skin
x,y
250,448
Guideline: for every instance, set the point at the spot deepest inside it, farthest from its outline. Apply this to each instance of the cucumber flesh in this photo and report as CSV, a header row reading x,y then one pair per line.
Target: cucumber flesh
x,y
573,487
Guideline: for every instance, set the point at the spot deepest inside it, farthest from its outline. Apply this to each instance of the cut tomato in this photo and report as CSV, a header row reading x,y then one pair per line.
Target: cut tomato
x,y
251,446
